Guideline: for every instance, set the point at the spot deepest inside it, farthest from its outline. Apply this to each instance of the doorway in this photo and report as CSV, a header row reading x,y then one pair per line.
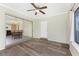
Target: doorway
x,y
17,30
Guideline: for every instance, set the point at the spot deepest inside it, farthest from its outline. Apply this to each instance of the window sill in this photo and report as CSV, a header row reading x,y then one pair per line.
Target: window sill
x,y
76,46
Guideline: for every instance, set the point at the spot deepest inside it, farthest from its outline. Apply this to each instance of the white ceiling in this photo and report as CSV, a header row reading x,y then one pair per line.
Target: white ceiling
x,y
53,8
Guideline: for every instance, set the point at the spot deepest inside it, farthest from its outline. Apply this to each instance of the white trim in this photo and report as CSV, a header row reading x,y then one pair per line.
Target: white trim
x,y
75,7
72,22
74,47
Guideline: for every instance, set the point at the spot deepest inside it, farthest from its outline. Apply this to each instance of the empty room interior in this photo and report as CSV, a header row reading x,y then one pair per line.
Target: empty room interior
x,y
39,29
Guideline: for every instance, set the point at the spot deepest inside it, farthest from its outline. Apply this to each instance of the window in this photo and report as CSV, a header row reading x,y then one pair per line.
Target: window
x,y
76,25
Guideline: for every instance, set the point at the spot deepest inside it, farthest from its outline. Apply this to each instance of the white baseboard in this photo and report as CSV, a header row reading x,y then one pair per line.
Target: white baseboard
x,y
2,48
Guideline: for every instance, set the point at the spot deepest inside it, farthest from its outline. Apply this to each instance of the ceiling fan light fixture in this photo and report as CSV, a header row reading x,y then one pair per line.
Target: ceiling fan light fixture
x,y
37,10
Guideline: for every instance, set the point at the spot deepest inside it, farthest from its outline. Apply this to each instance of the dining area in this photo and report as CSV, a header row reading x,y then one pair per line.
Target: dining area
x,y
14,31
17,30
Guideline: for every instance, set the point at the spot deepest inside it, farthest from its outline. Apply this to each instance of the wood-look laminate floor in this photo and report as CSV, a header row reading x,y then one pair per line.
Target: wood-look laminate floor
x,y
36,47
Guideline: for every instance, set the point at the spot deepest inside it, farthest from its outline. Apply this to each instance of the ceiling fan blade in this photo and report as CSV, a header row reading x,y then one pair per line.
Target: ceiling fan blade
x,y
41,11
35,13
31,10
34,5
43,7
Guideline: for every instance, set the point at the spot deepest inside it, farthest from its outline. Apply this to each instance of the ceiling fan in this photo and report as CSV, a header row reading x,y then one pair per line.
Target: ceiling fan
x,y
37,9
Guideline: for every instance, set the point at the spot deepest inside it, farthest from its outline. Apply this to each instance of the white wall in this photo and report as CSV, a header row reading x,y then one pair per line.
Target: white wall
x,y
57,28
2,30
27,29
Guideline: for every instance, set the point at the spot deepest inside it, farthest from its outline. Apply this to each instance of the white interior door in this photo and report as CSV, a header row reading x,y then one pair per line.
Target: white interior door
x,y
44,29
